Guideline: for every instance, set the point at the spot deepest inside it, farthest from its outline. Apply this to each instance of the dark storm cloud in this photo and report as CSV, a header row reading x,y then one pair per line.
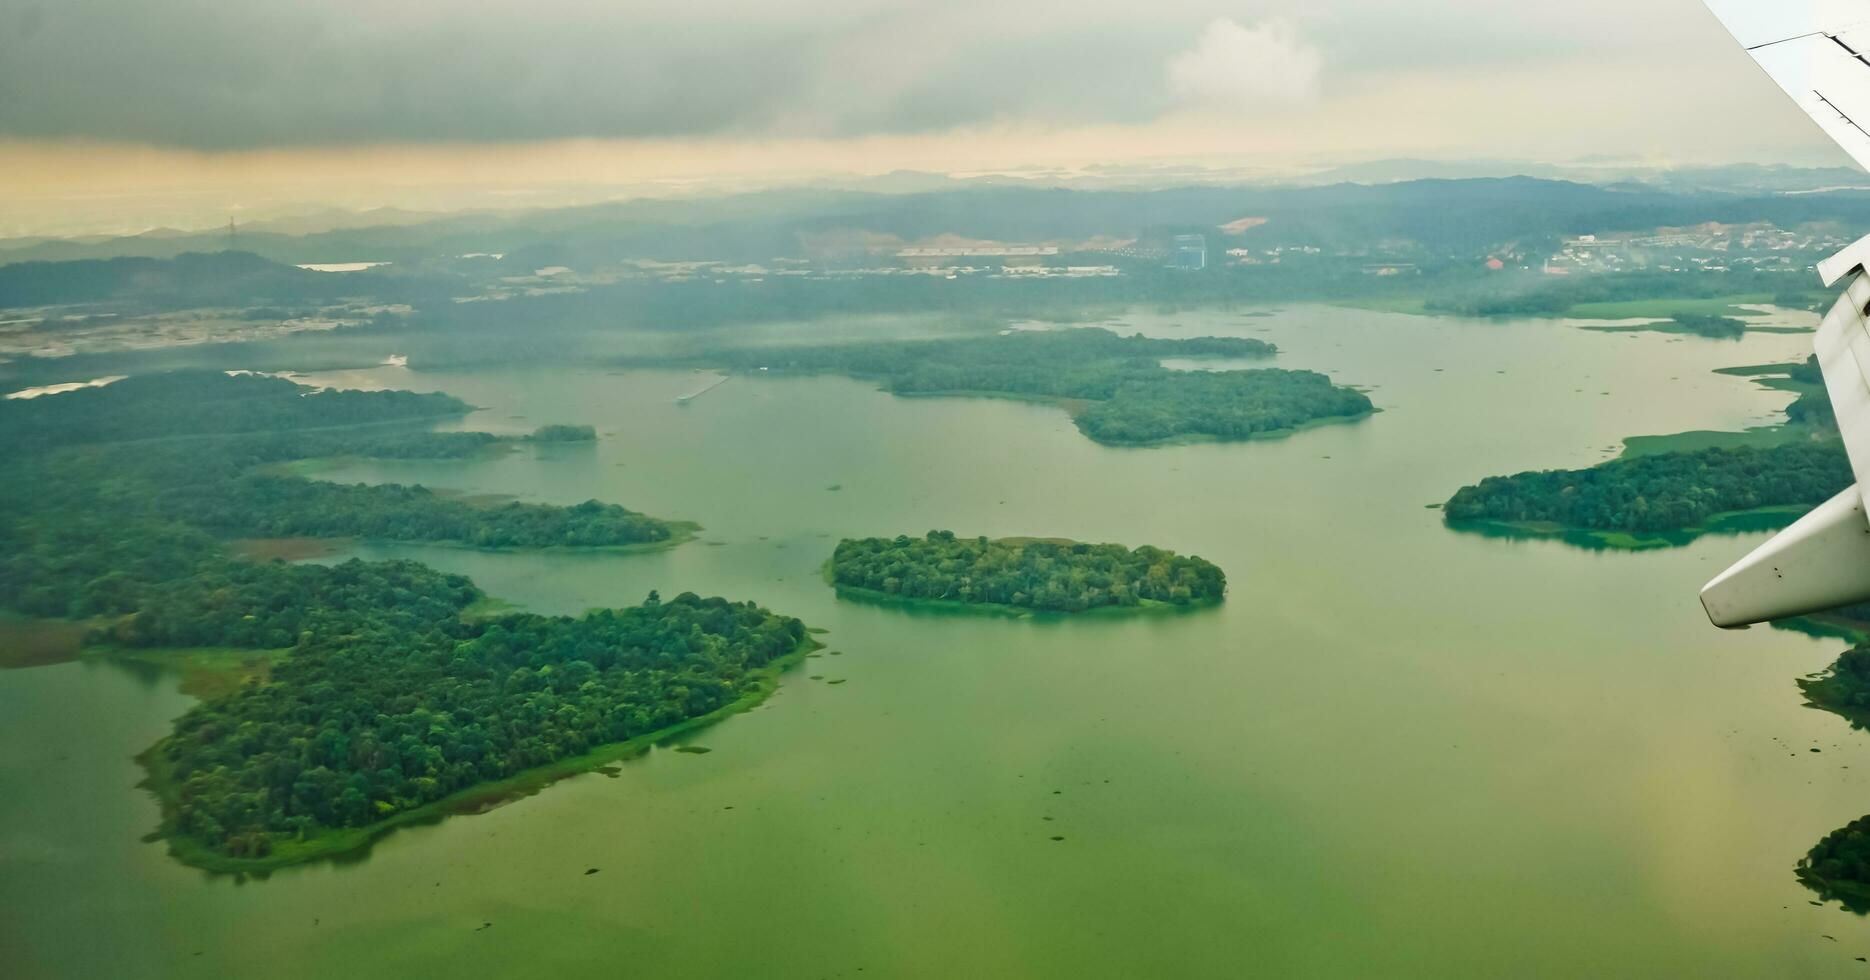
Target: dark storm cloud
x,y
219,74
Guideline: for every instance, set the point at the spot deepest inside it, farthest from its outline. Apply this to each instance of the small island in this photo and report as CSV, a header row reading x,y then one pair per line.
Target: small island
x,y
563,433
1023,574
1710,326
1116,388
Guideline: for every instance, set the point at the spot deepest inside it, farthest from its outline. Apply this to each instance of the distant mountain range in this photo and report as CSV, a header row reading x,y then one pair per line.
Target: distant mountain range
x,y
239,279
1446,216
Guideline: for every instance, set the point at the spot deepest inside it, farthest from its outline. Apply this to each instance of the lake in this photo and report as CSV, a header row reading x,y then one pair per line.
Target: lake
x,y
1396,750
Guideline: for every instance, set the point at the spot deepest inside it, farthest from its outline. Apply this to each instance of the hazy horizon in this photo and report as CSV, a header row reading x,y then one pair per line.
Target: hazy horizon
x,y
190,112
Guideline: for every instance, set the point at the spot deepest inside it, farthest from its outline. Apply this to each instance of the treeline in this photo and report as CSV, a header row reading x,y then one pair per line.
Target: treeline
x,y
1227,405
1660,492
199,403
1128,396
1813,406
273,605
564,433
1838,867
1024,573
1084,362
1845,688
207,481
357,728
1710,326
190,279
1556,295
282,507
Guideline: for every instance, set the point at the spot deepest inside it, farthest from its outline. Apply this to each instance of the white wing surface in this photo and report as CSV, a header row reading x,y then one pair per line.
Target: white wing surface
x,y
1818,51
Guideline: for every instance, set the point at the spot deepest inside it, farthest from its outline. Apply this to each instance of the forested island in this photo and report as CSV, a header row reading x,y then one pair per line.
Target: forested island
x,y
371,725
1662,492
1667,490
1022,573
1115,387
564,433
1710,326
388,697
1838,867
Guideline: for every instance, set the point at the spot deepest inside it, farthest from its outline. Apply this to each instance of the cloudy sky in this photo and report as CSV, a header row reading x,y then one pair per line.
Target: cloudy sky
x,y
153,96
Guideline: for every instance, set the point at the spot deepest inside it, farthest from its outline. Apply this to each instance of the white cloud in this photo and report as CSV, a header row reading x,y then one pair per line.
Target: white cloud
x,y
1235,67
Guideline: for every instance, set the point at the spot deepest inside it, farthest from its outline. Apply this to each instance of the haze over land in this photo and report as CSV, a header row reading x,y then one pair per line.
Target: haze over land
x,y
863,489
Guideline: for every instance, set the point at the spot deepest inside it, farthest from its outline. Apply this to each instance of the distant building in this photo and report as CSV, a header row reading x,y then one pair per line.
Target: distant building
x,y
1189,252
1494,263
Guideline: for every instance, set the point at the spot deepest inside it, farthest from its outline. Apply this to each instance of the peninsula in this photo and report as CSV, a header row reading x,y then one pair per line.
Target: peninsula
x,y
1116,388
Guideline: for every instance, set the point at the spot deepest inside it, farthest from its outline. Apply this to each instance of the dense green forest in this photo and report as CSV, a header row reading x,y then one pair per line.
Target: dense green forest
x,y
564,433
1710,326
1660,492
1678,490
1556,295
1126,395
1838,867
202,403
1813,406
390,698
1227,405
1845,688
1027,573
282,507
1087,362
357,727
189,447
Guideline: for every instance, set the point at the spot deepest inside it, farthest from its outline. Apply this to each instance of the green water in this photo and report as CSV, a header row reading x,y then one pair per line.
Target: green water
x,y
1395,751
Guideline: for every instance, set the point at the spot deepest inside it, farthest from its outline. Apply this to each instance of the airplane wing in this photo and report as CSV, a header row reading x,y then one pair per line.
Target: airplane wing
x,y
1818,51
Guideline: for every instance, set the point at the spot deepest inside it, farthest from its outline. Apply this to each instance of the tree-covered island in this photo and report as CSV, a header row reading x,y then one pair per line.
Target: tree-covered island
x,y
1116,387
373,693
367,727
1022,573
1646,499
1667,490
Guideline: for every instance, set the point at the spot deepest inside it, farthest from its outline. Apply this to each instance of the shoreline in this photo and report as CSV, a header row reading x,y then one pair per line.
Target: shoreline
x,y
1145,607
338,843
1729,523
304,547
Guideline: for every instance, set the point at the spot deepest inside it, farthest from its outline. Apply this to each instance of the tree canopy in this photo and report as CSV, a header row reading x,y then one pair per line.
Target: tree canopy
x,y
1061,576
1662,491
